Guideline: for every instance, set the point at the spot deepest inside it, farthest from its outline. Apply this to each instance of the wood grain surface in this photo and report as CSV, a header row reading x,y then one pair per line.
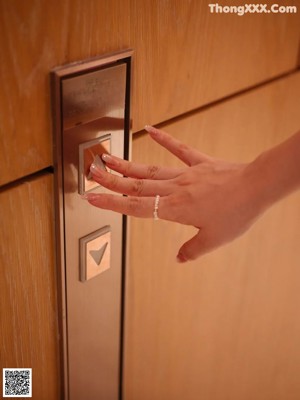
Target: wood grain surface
x,y
184,57
28,307
221,328
224,327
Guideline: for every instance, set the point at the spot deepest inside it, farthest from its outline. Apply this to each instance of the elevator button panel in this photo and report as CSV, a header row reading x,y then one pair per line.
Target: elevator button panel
x,y
91,117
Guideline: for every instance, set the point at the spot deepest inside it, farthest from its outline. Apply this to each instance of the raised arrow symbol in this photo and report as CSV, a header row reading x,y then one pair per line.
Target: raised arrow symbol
x,y
98,254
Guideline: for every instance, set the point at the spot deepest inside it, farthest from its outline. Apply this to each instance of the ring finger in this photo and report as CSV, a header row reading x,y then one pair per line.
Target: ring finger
x,y
133,206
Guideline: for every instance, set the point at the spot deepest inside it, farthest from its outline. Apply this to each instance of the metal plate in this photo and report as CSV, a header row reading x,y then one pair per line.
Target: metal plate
x,y
91,115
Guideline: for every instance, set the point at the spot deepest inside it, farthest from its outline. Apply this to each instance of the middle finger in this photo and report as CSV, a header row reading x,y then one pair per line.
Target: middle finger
x,y
131,186
136,170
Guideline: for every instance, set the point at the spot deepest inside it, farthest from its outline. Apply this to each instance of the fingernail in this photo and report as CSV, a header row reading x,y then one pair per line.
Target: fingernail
x,y
89,196
96,170
99,163
107,158
152,130
180,258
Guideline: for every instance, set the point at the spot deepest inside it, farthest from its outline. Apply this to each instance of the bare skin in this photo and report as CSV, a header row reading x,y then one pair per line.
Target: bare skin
x,y
221,199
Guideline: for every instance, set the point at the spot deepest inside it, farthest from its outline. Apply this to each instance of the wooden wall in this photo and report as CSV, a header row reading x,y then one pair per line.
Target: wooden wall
x,y
224,326
29,334
184,59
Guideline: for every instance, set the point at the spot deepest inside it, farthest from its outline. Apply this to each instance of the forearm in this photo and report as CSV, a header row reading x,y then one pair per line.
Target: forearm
x,y
276,172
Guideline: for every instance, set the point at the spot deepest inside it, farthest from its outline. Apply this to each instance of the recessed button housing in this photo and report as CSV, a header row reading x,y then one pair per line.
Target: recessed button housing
x,y
95,250
91,152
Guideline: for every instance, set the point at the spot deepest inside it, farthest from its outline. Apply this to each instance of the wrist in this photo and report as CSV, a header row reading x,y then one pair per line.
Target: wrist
x,y
261,178
255,181
275,173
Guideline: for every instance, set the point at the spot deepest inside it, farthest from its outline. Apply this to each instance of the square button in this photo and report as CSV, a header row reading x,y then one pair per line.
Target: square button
x,y
95,250
90,152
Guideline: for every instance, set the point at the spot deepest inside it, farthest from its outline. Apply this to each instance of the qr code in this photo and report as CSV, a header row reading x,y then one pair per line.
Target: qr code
x,y
17,382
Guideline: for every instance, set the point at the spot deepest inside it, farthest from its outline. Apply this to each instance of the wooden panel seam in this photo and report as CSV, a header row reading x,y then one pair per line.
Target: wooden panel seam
x,y
225,99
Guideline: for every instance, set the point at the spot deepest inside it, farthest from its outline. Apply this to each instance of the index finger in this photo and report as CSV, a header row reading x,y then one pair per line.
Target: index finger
x,y
184,152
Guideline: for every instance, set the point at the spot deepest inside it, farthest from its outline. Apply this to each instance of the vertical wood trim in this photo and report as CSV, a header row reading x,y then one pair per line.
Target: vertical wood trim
x,y
29,335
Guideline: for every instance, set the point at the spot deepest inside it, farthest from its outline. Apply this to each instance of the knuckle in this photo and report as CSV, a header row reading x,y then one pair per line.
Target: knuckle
x,y
109,200
138,186
127,168
177,206
106,201
184,199
183,148
113,181
152,171
171,208
133,203
183,180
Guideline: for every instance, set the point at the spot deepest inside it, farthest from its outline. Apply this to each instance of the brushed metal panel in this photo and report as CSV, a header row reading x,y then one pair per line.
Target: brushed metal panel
x,y
91,116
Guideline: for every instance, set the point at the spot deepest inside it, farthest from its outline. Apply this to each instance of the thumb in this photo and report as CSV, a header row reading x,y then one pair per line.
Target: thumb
x,y
193,248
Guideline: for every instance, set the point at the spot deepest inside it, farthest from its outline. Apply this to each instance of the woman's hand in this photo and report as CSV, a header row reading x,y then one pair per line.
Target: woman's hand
x,y
215,196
